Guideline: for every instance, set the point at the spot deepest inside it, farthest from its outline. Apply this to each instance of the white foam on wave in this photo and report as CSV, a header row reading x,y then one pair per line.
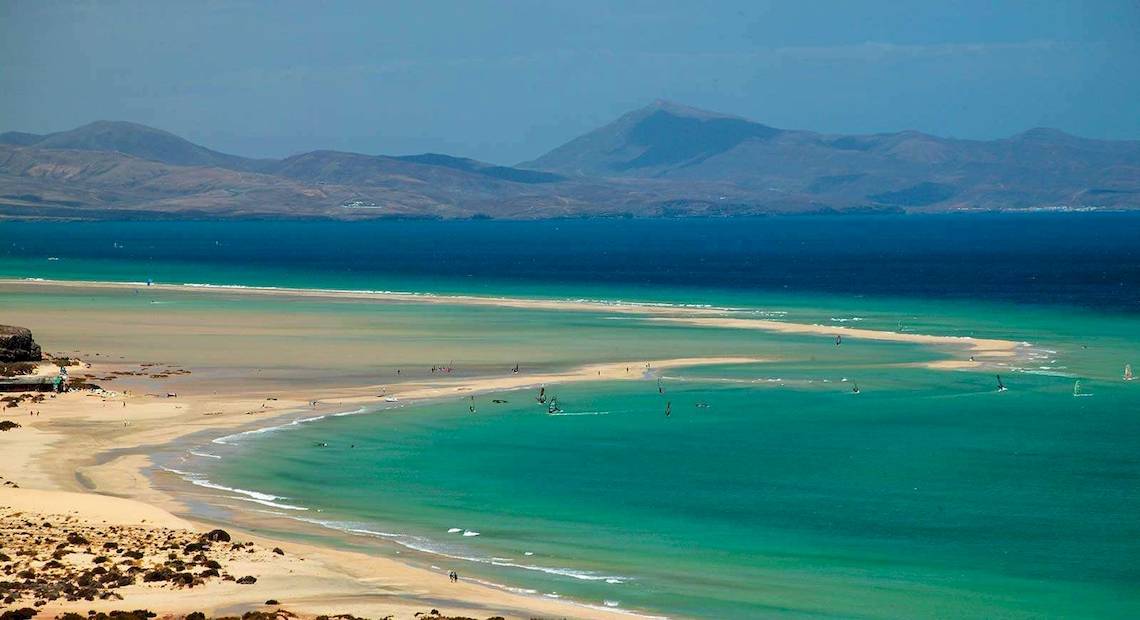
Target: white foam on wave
x,y
454,530
257,497
470,533
424,545
577,413
204,454
613,608
1047,373
202,482
343,527
273,504
228,439
230,286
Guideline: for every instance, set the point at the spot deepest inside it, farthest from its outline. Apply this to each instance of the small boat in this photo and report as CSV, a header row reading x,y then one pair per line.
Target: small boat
x,y
660,390
553,408
1001,386
498,401
668,408
1077,389
390,399
855,388
471,408
1128,372
838,339
541,395
515,370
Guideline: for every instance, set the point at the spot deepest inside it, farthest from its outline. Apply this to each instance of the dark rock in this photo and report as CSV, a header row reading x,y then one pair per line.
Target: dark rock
x,y
183,579
16,345
18,614
278,551
217,536
76,539
247,580
158,574
272,601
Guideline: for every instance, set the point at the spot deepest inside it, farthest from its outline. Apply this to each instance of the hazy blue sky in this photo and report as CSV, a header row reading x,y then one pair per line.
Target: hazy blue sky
x,y
505,81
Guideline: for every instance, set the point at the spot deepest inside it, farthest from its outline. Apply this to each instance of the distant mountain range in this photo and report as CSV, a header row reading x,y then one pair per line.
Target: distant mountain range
x,y
661,160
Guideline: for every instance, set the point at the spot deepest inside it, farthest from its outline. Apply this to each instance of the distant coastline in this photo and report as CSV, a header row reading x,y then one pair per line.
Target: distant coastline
x,y
662,160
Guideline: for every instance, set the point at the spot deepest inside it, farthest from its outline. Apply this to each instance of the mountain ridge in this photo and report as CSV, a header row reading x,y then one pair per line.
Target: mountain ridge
x,y
664,159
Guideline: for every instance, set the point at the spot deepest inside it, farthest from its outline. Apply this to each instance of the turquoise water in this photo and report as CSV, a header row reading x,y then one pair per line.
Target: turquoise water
x,y
929,494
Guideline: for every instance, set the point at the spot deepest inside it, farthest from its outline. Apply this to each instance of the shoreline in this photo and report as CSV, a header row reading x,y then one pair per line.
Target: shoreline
x,y
699,315
92,447
97,487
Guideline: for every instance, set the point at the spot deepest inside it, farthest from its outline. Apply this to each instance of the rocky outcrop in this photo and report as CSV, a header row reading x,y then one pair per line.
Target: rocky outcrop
x,y
16,345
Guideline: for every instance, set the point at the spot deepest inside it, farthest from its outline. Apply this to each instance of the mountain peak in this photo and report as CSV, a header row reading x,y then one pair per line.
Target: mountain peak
x,y
1044,134
679,109
140,141
655,139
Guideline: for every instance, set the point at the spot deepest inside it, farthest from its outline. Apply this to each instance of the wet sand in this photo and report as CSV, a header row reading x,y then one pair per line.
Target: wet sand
x,y
62,459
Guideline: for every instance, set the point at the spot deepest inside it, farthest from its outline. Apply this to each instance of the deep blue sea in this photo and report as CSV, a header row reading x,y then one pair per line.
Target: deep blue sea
x,y
1082,259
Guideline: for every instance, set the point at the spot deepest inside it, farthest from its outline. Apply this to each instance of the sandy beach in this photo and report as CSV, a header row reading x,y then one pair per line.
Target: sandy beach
x,y
54,458
987,349
82,460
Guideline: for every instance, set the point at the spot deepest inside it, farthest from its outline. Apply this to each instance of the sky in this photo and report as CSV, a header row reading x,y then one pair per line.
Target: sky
x,y
506,81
